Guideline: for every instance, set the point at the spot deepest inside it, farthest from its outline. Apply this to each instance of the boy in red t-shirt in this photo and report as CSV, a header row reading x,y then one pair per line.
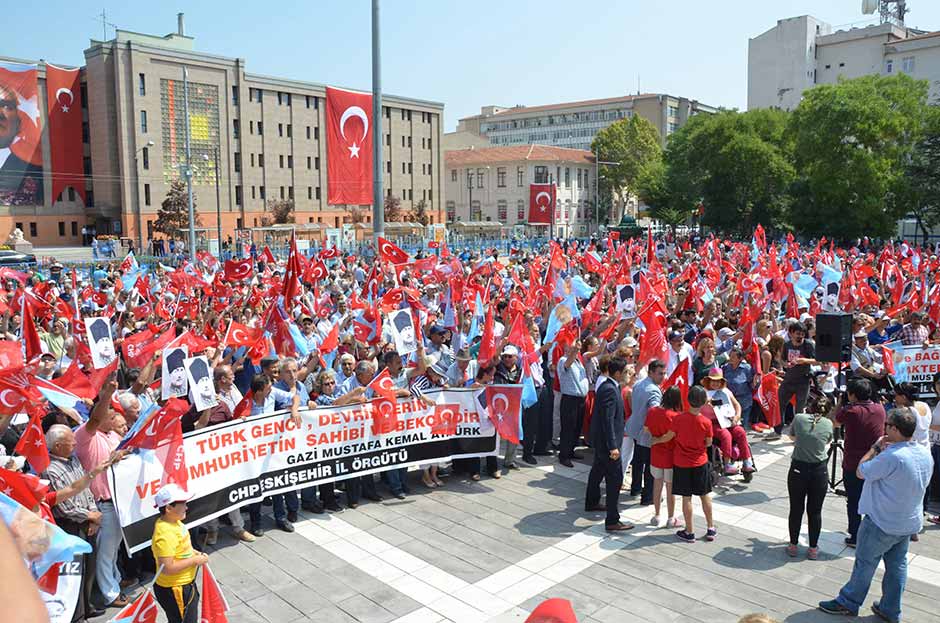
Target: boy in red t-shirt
x,y
691,475
659,424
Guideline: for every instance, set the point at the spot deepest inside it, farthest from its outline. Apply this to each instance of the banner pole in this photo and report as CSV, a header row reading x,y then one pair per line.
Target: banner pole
x,y
378,168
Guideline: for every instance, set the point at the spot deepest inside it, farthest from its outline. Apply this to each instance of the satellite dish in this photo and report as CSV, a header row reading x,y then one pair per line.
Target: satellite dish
x,y
869,6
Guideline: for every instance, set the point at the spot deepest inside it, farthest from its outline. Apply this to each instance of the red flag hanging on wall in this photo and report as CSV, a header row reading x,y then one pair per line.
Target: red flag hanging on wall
x,y
349,147
64,106
541,203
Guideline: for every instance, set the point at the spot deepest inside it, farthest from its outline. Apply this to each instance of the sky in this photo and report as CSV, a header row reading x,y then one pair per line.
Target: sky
x,y
464,54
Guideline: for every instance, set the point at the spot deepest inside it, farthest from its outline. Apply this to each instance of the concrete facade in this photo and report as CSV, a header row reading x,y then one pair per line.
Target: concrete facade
x,y
575,124
801,52
270,134
492,184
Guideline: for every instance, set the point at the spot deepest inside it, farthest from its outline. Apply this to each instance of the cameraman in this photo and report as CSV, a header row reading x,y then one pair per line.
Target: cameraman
x,y
863,423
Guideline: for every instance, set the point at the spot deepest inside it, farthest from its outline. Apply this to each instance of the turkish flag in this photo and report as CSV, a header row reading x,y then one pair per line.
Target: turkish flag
x,y
653,344
382,385
161,427
504,408
348,147
26,489
541,203
75,381
32,444
135,348
769,399
680,378
445,419
237,270
390,252
141,610
214,605
64,106
384,416
243,408
239,334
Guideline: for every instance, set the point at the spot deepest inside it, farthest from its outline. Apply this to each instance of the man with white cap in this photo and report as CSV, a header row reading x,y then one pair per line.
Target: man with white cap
x,y
865,363
175,585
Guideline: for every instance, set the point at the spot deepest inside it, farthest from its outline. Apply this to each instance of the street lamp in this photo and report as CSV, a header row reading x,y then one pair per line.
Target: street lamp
x,y
140,235
218,200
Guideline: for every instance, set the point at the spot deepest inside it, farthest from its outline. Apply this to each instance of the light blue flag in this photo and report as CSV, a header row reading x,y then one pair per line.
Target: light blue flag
x,y
300,343
804,286
529,395
57,545
142,420
475,321
581,289
561,314
829,275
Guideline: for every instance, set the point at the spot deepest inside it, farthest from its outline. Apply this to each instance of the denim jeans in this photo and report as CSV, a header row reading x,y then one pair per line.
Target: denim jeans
x,y
278,502
873,545
853,493
106,550
394,479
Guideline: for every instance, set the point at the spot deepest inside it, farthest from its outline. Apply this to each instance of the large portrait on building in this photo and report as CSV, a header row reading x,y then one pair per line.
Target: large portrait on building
x,y
20,134
203,129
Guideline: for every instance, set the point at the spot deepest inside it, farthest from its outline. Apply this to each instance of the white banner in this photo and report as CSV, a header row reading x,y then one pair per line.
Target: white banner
x,y
244,461
61,606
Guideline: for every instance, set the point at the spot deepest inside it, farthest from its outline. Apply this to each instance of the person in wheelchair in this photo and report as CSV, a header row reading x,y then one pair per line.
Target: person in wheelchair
x,y
725,414
866,363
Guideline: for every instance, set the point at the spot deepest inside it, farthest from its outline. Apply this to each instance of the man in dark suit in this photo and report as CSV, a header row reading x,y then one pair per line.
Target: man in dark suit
x,y
606,437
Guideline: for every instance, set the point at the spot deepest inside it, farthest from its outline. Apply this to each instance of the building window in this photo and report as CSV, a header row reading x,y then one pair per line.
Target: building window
x,y
90,198
409,140
234,96
403,168
280,129
251,126
402,140
479,178
32,230
254,191
261,160
541,175
579,178
238,195
74,228
61,228
475,214
290,193
453,175
309,162
143,122
146,194
316,133
290,131
520,210
889,66
71,192
281,160
252,161
307,101
237,162
429,143
501,211
260,128
429,168
316,163
290,162
501,177
451,211
388,166
261,192
409,168
520,175
673,111
309,190
907,64
308,132
236,128
567,177
141,85
145,158
280,98
469,178
317,192
282,192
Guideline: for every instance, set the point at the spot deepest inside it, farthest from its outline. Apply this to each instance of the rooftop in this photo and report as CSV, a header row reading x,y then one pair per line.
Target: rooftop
x,y
579,104
537,153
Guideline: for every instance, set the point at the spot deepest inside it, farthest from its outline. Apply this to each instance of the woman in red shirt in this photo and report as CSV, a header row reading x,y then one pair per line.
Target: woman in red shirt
x,y
659,423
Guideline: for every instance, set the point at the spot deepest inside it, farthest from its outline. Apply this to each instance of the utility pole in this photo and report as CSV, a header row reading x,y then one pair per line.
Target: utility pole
x,y
189,170
218,202
378,168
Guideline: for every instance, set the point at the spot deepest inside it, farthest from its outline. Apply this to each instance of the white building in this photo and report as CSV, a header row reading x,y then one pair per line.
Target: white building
x,y
801,52
492,184
574,124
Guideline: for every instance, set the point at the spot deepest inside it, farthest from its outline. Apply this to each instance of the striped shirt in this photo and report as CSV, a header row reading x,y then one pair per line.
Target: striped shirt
x,y
61,473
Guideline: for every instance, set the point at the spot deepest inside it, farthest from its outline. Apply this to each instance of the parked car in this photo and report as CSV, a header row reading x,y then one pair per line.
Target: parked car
x,y
9,258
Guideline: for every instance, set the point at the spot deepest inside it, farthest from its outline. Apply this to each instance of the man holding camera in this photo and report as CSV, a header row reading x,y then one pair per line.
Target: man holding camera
x,y
895,471
863,423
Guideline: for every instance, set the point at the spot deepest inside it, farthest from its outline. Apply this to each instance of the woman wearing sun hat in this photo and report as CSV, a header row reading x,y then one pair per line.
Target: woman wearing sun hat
x,y
725,413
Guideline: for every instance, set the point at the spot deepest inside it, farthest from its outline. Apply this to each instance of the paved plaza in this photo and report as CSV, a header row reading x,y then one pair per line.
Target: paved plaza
x,y
492,550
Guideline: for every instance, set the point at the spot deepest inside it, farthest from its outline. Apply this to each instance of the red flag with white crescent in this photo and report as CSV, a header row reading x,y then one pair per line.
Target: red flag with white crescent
x,y
214,605
349,147
64,107
504,408
541,203
237,270
390,252
32,443
382,385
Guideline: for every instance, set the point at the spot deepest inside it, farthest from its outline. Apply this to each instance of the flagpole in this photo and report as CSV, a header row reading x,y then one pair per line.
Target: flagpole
x,y
378,206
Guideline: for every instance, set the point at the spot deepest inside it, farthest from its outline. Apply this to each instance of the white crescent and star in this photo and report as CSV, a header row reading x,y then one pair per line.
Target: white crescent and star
x,y
500,398
65,107
354,111
543,206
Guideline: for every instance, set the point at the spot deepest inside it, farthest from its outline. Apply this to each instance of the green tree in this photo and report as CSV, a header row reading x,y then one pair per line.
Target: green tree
x,y
918,191
664,205
173,215
737,164
852,143
392,209
420,213
279,212
635,144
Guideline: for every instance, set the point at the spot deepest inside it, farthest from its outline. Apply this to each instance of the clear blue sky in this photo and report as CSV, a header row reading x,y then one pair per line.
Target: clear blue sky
x,y
465,54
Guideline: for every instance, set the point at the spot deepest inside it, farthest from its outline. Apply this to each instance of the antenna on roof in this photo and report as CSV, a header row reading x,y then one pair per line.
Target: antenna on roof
x,y
638,84
889,14
104,25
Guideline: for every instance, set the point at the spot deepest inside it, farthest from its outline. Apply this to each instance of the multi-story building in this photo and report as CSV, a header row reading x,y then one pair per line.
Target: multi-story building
x,y
801,52
575,124
262,137
492,184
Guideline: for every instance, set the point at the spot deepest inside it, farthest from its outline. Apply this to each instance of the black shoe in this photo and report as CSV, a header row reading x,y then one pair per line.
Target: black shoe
x,y
850,542
256,530
334,507
566,463
375,497
292,516
529,459
316,509
400,496
285,525
94,613
876,608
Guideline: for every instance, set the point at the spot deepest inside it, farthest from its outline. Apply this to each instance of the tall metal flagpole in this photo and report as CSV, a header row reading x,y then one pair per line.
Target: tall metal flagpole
x,y
189,171
378,204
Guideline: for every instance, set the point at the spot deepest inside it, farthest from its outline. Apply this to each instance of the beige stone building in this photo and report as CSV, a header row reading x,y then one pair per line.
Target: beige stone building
x,y
492,185
574,124
262,137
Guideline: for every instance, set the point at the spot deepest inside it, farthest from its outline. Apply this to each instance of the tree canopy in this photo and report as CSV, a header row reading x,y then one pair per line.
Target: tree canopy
x,y
635,144
173,215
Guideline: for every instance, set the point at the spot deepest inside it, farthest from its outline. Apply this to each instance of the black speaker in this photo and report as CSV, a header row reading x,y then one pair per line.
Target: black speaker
x,y
833,337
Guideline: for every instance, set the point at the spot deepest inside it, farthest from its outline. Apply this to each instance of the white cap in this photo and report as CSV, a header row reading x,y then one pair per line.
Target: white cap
x,y
509,349
805,317
724,333
170,493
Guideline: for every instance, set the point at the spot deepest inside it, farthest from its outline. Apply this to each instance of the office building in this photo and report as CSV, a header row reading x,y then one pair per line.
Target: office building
x,y
575,124
801,52
492,185
262,137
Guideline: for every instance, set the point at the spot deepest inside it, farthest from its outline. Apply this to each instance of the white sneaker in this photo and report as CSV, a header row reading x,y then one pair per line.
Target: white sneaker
x,y
672,522
655,520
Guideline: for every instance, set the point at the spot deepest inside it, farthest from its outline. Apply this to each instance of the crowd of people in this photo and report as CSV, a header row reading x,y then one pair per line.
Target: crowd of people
x,y
667,357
